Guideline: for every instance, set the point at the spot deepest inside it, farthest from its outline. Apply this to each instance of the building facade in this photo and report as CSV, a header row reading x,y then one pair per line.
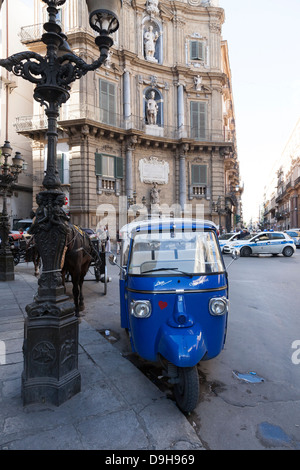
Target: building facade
x,y
282,203
154,128
15,99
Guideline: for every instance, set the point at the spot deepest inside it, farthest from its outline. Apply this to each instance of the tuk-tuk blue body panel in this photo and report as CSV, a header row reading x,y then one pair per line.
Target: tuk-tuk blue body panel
x,y
180,326
200,336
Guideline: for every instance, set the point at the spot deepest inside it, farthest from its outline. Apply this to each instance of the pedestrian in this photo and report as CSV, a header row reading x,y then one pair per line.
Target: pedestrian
x,y
243,234
118,242
107,240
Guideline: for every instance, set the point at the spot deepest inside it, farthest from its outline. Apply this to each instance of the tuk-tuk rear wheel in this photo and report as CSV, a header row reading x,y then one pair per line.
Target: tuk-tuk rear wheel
x,y
186,390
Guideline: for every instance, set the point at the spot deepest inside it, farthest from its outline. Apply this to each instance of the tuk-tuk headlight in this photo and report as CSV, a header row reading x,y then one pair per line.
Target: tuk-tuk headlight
x,y
218,306
141,308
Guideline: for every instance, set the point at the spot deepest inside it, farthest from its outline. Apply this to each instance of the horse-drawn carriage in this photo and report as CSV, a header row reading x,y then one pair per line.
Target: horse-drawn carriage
x,y
19,246
99,263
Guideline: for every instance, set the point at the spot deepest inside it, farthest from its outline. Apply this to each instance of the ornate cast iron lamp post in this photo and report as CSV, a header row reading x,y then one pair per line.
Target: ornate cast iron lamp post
x,y
9,175
51,328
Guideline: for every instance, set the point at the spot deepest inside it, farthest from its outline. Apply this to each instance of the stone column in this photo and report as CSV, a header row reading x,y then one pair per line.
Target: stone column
x,y
180,107
130,146
182,175
126,99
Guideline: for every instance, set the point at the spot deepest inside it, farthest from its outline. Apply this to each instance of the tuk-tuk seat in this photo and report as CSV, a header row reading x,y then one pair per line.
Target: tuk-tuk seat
x,y
138,258
186,254
184,265
162,255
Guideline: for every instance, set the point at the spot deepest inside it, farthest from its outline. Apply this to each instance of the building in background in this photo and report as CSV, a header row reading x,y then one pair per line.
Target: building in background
x,y
16,99
154,128
282,198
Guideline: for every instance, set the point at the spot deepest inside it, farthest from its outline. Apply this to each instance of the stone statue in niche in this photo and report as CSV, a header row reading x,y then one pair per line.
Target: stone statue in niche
x,y
154,194
150,39
198,83
151,109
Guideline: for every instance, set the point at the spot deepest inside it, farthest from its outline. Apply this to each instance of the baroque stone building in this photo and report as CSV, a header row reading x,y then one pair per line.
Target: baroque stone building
x,y
155,126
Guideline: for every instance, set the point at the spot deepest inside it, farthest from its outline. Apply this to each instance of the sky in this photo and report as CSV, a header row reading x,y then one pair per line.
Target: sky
x,y
263,39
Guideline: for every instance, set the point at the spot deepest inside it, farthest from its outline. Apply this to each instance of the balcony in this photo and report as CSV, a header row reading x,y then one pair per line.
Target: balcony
x,y
32,33
72,115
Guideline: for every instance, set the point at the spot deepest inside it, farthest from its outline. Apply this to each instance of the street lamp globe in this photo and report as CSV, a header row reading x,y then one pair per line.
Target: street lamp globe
x,y
6,149
104,15
18,161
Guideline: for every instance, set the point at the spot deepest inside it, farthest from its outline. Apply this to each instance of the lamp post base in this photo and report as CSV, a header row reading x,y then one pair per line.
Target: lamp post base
x,y
50,350
7,267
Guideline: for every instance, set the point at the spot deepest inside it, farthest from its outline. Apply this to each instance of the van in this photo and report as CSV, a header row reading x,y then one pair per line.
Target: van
x,y
23,224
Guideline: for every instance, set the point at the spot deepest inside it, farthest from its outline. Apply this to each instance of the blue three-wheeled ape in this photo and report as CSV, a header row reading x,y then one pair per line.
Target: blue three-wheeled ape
x,y
174,297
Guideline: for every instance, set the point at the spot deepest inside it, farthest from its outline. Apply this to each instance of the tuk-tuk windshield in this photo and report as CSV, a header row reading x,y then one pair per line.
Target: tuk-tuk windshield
x,y
175,252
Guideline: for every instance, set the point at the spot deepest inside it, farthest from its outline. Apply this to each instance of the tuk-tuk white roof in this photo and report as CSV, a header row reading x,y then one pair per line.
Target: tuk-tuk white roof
x,y
156,223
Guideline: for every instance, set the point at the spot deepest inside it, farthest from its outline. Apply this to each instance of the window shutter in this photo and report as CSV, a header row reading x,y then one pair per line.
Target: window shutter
x,y
203,174
193,50
98,164
107,102
196,50
194,174
199,174
118,167
198,119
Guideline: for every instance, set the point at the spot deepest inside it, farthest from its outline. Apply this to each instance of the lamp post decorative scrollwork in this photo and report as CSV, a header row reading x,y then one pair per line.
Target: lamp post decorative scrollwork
x,y
50,319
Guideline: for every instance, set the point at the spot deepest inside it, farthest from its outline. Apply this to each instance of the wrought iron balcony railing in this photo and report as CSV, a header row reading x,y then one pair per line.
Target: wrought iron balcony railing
x,y
118,122
32,33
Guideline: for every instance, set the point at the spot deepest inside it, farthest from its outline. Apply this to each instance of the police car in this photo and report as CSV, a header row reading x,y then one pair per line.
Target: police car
x,y
274,243
227,239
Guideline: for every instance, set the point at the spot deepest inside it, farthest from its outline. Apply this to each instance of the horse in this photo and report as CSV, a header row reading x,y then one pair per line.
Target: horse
x,y
78,256
32,254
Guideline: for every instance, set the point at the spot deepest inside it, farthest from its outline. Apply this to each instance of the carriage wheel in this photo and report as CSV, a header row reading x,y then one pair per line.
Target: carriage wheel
x,y
97,272
16,258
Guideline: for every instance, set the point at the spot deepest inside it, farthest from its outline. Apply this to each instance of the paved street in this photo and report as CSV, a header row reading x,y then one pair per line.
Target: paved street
x,y
264,321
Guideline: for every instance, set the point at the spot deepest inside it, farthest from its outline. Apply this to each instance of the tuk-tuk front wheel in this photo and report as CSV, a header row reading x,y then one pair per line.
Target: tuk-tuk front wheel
x,y
186,389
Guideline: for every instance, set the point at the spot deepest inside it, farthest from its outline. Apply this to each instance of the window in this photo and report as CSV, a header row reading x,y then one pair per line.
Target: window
x,y
261,238
198,120
189,251
109,170
198,187
62,163
107,102
197,50
277,236
108,166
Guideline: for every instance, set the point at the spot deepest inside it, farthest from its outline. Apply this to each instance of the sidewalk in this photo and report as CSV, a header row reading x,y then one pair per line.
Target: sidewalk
x,y
118,408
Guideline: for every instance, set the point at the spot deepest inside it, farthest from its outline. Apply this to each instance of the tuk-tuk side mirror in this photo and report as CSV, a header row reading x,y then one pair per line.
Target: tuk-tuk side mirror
x,y
113,261
235,254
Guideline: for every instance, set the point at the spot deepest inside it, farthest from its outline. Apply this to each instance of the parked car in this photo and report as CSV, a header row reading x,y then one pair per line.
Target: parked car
x,y
295,235
227,239
274,243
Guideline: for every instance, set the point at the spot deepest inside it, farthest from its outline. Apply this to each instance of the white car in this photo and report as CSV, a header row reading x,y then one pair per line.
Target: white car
x,y
274,243
227,239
